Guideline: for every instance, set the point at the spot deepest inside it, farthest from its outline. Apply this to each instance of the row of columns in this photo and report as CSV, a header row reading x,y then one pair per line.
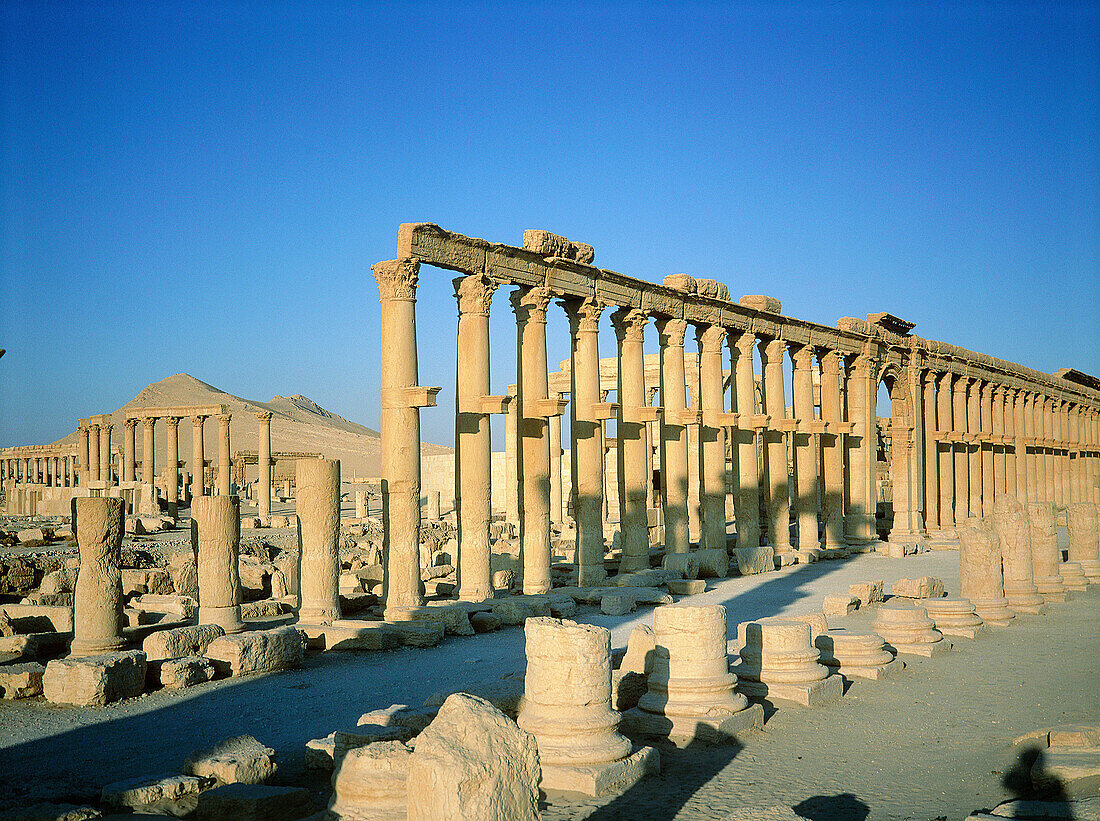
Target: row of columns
x,y
54,471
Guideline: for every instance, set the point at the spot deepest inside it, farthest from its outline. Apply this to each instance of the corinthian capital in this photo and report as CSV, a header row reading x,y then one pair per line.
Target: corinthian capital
x,y
584,314
530,304
397,278
474,294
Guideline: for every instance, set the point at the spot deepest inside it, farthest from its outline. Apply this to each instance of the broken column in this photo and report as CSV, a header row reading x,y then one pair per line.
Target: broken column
x,y
981,579
1084,546
778,661
691,694
907,629
1045,555
263,465
954,617
370,783
856,654
1011,523
318,505
567,708
216,539
97,599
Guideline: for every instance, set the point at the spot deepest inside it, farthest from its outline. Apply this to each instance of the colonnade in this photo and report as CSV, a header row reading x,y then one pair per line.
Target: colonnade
x,y
49,465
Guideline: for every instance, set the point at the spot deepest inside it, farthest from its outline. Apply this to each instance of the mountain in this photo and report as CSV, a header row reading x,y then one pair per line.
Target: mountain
x,y
297,424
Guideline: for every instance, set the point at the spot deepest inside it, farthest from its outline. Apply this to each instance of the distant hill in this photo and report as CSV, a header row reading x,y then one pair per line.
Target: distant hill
x,y
298,424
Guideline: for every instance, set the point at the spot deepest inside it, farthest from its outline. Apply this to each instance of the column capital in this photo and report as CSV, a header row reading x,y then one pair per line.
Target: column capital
x,y
264,416
529,304
584,314
171,421
108,428
223,418
629,325
94,426
863,366
744,343
148,421
397,279
830,359
711,338
198,419
771,350
131,424
474,294
802,356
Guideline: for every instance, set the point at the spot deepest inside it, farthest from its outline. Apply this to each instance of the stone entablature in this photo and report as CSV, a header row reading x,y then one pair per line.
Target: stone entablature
x,y
179,411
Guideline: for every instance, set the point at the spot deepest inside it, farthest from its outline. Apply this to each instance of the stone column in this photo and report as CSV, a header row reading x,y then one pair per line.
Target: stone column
x,y
1073,445
173,475
533,449
318,506
1011,476
747,502
97,600
1030,451
1045,555
695,510
997,427
473,449
862,397
980,577
1063,454
397,281
653,440
674,440
225,480
93,453
129,451
1012,524
148,459
931,466
832,445
556,505
263,466
511,463
712,436
1084,539
945,451
962,470
805,450
1045,430
216,541
988,472
629,324
775,441
974,449
105,453
198,459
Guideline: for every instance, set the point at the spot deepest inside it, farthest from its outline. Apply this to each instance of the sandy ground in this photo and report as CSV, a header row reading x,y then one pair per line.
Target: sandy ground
x,y
932,742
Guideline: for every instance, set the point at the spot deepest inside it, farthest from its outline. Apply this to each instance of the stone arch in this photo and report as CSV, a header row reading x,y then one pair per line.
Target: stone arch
x,y
903,451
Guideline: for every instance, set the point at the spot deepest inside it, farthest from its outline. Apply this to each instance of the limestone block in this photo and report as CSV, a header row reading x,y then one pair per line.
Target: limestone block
x,y
371,784
184,607
62,580
1074,735
351,635
681,565
617,605
413,719
455,616
507,695
981,579
779,662
353,738
1084,544
180,641
517,609
473,764
241,760
867,592
320,751
926,587
485,622
1074,770
95,680
907,629
680,282
21,680
759,302
856,654
712,288
839,605
421,633
51,812
686,587
1012,525
955,617
254,802
640,650
753,560
137,793
818,623
714,563
561,607
184,573
32,537
1073,577
179,673
262,651
547,244
7,626
651,577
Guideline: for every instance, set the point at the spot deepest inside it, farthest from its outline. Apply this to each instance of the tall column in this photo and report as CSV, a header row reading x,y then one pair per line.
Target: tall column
x,y
129,448
555,467
712,436
931,466
318,506
93,452
987,455
397,281
148,459
775,447
533,449
695,510
862,398
805,451
1063,447
1054,454
173,466
629,326
962,469
511,461
216,543
974,449
747,503
1008,412
97,600
585,424
674,440
105,453
224,479
653,439
1077,458
198,459
263,466
1036,482
1048,433
473,448
832,446
83,455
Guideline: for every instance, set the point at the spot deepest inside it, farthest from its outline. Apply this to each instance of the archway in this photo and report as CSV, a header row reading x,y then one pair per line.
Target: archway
x,y
899,450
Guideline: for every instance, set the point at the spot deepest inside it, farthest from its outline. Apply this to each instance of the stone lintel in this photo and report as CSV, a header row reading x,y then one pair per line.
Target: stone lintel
x,y
176,410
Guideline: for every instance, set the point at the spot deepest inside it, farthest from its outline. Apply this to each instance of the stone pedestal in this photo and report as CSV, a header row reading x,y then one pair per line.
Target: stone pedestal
x,y
318,506
567,708
955,617
216,540
1073,577
856,654
690,696
1084,547
1012,525
778,662
1045,555
980,576
370,784
907,629
97,600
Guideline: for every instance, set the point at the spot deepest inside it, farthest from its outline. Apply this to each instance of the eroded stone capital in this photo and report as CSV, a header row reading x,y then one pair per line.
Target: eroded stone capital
x,y
197,421
474,294
131,424
264,416
629,324
830,360
802,356
771,351
172,421
745,342
711,338
584,314
148,422
670,332
530,304
397,278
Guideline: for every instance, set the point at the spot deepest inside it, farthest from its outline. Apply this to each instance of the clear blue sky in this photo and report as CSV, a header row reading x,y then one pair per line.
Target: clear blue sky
x,y
203,187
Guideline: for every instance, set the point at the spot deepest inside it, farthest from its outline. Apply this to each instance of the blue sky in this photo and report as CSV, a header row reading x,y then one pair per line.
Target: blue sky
x,y
202,187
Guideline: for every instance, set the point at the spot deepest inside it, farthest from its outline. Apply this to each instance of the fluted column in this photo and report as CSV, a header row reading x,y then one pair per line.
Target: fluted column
x,y
173,475
962,469
1031,460
862,398
653,439
805,450
674,440
775,446
629,326
263,466
198,460
105,453
400,430
712,436
585,425
974,448
931,466
225,480
1049,431
129,451
148,460
833,447
747,500
473,448
986,400
93,453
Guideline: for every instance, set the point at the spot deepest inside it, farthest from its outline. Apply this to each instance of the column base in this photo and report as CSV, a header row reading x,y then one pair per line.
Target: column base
x,y
96,647
873,672
808,694
602,779
318,615
924,649
682,731
963,632
1091,568
943,539
227,618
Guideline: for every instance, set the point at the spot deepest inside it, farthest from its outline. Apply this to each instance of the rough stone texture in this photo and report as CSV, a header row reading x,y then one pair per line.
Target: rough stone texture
x,y
180,641
485,622
714,563
257,652
681,565
640,649
686,587
241,760
777,812
752,560
778,662
908,629
254,802
981,579
1011,523
617,605
97,601
178,673
183,606
318,505
473,764
1084,545
856,654
21,680
507,695
547,244
137,793
839,605
517,609
95,680
413,719
216,540
1073,577
867,592
955,617
1045,555
371,783
51,812
926,587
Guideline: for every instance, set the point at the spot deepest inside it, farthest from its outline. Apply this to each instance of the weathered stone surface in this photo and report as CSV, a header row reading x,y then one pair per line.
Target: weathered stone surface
x,y
1084,543
1012,524
32,536
651,577
51,812
178,673
753,560
907,629
547,244
856,654
257,652
714,563
97,601
839,605
254,802
371,783
455,616
562,607
485,622
926,587
517,609
136,793
153,580
180,641
507,695
981,579
95,680
1071,735
617,605
867,592
1076,770
955,617
183,606
779,662
241,760
686,587
426,633
681,565
413,719
640,649
21,680
473,764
